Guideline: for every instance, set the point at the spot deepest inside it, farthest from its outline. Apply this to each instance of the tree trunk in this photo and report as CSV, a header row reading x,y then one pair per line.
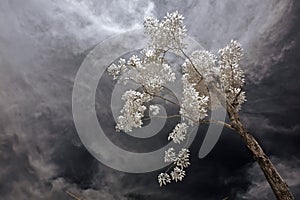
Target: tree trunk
x,y
279,187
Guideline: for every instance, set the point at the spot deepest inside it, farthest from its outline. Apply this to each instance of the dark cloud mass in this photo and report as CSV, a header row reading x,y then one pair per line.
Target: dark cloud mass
x,y
43,43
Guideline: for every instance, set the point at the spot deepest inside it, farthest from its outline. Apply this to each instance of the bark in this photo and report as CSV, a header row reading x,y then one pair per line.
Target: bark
x,y
279,187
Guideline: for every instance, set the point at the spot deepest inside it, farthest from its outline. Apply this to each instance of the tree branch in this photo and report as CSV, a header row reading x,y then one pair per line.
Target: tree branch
x,y
72,195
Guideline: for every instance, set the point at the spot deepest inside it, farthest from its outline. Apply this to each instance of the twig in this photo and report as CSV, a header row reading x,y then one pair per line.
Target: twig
x,y
72,195
164,117
216,122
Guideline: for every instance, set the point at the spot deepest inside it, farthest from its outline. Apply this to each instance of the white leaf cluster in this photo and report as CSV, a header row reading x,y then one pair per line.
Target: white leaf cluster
x,y
232,76
204,62
163,179
148,70
183,158
179,133
177,174
193,106
116,69
180,161
154,110
133,110
167,34
170,155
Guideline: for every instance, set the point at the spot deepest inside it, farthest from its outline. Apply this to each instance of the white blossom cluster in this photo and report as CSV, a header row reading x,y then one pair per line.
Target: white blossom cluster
x,y
193,106
232,76
167,34
117,69
179,133
133,110
163,179
149,70
170,155
151,73
180,161
204,62
154,110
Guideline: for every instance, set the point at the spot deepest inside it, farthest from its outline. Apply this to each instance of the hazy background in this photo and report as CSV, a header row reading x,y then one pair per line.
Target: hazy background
x,y
42,44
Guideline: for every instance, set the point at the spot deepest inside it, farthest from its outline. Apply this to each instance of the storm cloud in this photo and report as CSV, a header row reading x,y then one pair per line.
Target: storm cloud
x,y
42,45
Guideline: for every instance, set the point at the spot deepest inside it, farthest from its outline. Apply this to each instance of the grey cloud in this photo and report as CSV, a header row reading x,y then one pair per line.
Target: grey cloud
x,y
259,187
259,26
42,44
77,25
41,50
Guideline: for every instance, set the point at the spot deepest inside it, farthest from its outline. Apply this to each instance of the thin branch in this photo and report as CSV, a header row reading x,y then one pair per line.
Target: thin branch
x,y
180,48
170,91
164,117
170,101
170,167
72,195
216,122
191,63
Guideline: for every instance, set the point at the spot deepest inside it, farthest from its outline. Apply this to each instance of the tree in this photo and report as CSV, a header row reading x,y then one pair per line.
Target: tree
x,y
201,71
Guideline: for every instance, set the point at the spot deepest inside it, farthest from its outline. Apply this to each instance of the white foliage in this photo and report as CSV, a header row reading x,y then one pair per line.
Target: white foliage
x,y
170,155
177,174
183,158
148,70
232,76
179,133
193,106
163,179
181,161
167,34
116,70
154,110
133,110
204,62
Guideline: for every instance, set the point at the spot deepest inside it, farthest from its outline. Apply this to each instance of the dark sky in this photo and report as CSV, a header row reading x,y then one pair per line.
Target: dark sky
x,y
42,45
